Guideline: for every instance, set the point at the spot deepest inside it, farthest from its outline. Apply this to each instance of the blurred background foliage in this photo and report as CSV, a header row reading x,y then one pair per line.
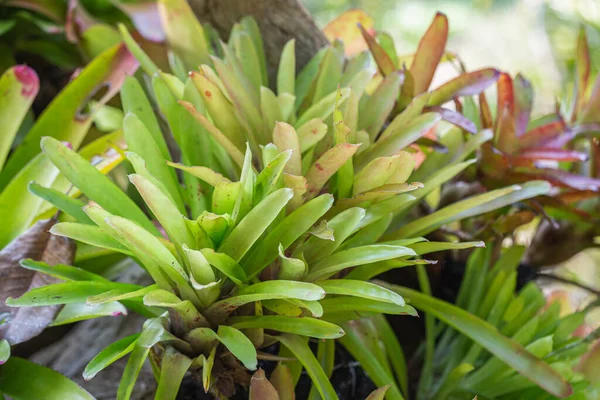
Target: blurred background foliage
x,y
534,37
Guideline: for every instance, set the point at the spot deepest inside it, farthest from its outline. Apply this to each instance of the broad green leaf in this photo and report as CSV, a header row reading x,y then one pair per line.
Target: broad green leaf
x,y
188,317
376,173
486,335
286,233
323,108
353,342
305,326
61,119
251,28
118,295
269,178
16,382
247,232
270,112
248,56
61,271
377,108
282,381
88,234
412,111
93,183
74,312
205,174
362,289
220,109
286,138
275,289
310,133
62,201
432,247
173,367
341,304
399,139
184,32
152,333
327,165
18,87
378,394
140,141
165,211
67,293
475,205
343,225
4,351
234,152
354,257
239,345
292,269
135,101
304,354
18,215
286,73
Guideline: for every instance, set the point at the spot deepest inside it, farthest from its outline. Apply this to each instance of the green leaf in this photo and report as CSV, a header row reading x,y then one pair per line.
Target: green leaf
x,y
311,133
66,293
275,289
62,201
74,312
377,108
118,295
61,119
354,343
305,326
247,232
18,87
393,348
88,234
432,247
286,73
303,353
333,305
19,215
173,367
239,345
327,165
93,183
4,351
227,265
16,382
400,139
286,233
140,141
487,336
188,317
354,257
367,290
165,211
323,108
184,32
466,84
472,206
61,271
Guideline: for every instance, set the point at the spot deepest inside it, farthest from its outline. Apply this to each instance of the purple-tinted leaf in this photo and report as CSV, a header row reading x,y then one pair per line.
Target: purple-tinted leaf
x,y
523,101
592,129
464,85
486,114
455,118
145,18
590,112
551,154
505,124
547,135
383,60
559,178
429,53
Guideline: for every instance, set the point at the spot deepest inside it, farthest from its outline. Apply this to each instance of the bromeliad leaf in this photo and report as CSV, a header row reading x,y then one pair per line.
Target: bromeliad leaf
x,y
299,326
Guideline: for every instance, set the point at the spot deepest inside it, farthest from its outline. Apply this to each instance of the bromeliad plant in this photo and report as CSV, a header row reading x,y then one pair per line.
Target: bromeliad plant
x,y
290,204
457,366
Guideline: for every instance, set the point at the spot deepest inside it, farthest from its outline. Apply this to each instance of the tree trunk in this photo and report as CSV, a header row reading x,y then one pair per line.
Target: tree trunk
x,y
279,21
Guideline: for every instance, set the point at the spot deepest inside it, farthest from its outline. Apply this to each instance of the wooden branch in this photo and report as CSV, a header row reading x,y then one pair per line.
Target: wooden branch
x,y
279,21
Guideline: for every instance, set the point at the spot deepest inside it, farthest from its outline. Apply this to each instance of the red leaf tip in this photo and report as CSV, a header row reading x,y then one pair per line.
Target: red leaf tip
x,y
28,79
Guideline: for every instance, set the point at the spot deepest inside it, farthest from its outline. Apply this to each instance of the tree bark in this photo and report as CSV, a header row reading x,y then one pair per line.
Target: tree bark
x,y
278,20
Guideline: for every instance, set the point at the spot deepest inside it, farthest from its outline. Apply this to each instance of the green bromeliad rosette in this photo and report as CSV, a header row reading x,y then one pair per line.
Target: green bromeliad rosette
x,y
276,213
